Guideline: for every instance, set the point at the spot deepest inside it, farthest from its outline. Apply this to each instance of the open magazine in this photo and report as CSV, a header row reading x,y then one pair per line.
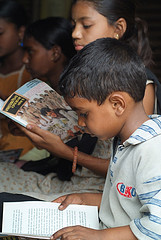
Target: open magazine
x,y
37,102
37,219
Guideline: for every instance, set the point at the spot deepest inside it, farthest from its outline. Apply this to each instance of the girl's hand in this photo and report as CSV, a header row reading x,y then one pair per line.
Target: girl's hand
x,y
79,233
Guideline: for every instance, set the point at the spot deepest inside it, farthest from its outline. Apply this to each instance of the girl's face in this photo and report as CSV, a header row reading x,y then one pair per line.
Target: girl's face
x,y
9,38
88,25
37,59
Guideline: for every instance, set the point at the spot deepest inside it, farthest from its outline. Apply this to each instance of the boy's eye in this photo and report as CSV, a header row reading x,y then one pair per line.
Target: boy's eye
x,y
83,115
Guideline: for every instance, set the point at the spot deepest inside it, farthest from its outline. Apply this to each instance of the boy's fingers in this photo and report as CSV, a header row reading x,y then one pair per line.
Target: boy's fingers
x,y
14,129
32,135
64,204
59,233
38,131
33,128
59,199
64,200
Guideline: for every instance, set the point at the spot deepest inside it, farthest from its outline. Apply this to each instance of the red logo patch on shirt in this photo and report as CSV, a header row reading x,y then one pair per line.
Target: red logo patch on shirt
x,y
126,191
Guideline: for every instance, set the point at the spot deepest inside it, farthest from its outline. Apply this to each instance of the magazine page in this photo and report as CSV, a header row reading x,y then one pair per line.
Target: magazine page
x,y
37,102
1,103
44,218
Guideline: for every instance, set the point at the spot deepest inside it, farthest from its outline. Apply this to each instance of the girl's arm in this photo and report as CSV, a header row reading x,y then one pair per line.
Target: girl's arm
x,y
43,139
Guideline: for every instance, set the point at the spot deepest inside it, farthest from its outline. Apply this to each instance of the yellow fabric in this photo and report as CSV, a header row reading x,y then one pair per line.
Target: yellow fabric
x,y
8,84
35,154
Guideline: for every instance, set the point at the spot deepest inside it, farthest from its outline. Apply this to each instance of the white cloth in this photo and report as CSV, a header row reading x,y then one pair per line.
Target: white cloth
x,y
49,187
155,89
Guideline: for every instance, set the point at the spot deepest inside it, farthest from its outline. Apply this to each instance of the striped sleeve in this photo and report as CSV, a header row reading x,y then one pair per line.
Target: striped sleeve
x,y
149,226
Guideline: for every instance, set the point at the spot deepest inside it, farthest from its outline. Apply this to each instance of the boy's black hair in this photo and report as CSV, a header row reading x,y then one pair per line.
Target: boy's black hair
x,y
104,66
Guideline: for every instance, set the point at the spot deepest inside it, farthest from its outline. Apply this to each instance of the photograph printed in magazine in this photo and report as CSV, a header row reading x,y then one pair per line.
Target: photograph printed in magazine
x,y
38,103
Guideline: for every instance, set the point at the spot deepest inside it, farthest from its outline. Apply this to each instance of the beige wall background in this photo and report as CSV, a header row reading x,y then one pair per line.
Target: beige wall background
x,y
147,9
37,9
55,8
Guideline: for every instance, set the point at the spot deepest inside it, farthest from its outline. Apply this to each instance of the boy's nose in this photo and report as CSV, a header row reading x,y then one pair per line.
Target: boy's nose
x,y
81,122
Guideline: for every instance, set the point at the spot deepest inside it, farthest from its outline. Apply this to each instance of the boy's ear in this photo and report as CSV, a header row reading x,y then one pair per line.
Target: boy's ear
x,y
56,53
118,103
120,28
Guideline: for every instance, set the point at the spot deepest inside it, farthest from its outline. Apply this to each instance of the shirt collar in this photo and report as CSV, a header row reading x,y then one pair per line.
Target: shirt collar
x,y
146,131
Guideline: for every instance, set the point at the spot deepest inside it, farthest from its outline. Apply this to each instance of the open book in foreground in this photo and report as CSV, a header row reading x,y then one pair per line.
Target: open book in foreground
x,y
36,219
37,102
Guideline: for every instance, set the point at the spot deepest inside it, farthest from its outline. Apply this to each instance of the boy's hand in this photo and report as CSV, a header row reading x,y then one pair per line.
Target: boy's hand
x,y
93,199
70,199
79,233
43,139
14,129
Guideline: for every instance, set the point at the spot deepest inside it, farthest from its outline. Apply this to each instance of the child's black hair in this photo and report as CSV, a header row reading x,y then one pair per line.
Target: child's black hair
x,y
104,66
13,12
136,34
53,31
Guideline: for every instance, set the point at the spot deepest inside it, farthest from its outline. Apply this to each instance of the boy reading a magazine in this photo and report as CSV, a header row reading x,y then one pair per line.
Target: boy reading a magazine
x,y
105,83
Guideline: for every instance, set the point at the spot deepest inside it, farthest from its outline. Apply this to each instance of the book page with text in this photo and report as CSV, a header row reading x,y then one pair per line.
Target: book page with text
x,y
44,218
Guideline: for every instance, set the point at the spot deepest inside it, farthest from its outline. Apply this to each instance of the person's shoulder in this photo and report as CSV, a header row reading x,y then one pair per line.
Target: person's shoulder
x,y
152,130
152,76
148,131
150,149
